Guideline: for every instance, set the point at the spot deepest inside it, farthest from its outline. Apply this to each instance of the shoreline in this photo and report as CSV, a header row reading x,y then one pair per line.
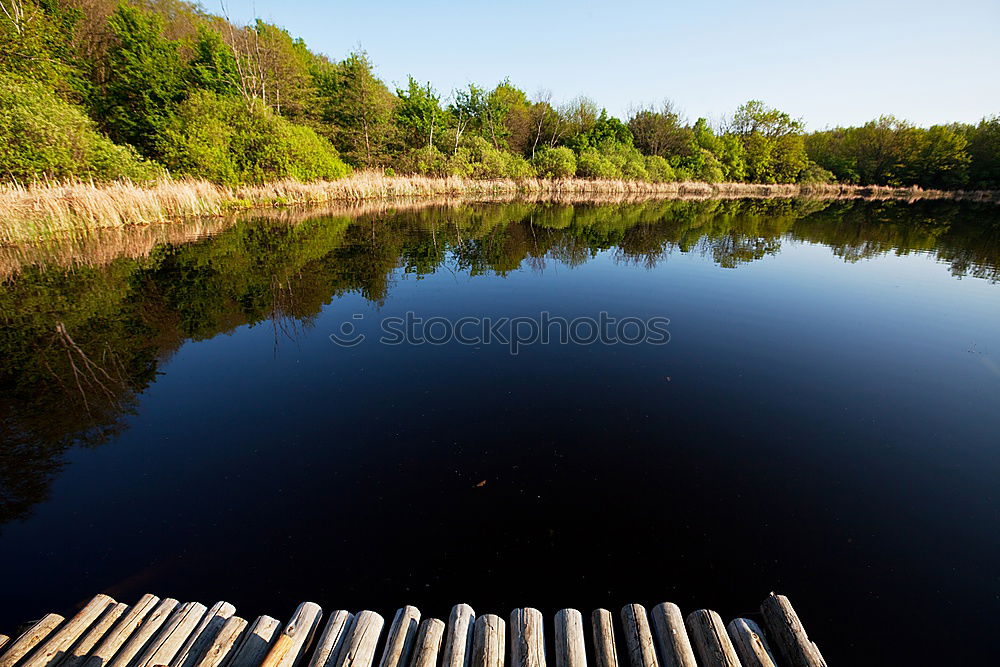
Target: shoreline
x,y
47,210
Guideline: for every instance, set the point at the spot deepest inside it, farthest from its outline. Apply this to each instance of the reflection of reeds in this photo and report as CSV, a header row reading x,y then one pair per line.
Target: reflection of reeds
x,y
45,210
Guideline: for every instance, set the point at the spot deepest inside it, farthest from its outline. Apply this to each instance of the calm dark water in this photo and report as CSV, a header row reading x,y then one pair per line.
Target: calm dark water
x,y
824,422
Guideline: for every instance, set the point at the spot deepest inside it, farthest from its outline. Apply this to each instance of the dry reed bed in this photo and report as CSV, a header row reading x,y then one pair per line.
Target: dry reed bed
x,y
47,210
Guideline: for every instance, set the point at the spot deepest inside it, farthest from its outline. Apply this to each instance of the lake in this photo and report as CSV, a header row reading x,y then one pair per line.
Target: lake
x,y
823,419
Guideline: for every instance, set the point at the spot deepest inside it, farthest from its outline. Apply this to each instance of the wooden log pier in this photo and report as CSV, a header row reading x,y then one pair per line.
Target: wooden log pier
x,y
167,633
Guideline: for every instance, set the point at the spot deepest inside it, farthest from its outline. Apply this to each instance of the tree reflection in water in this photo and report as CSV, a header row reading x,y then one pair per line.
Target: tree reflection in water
x,y
84,331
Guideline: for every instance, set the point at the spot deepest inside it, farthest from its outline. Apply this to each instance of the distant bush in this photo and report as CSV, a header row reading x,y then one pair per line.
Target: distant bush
x,y
813,173
477,158
612,160
42,135
710,169
226,140
591,163
555,162
627,158
426,161
659,170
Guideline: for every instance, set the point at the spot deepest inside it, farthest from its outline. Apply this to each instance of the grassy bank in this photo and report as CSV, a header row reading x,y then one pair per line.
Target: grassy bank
x,y
57,209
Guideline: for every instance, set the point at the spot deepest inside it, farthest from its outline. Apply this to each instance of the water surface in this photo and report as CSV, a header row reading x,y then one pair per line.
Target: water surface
x,y
823,421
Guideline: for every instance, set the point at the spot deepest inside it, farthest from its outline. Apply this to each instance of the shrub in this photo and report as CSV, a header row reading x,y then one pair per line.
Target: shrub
x,y
710,170
659,169
226,140
427,161
555,162
591,163
517,167
813,173
43,135
627,158
477,158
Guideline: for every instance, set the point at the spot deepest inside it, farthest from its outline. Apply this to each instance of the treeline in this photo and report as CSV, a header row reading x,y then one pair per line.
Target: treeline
x,y
104,89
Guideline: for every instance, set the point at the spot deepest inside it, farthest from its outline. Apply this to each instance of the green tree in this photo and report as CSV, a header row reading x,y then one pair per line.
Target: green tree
x,y
466,108
880,149
145,79
984,154
559,162
660,131
774,149
227,140
42,135
939,159
419,116
37,42
360,108
604,129
213,65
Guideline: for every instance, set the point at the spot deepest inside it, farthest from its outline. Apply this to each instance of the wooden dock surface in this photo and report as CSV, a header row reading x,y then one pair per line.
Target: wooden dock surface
x,y
166,633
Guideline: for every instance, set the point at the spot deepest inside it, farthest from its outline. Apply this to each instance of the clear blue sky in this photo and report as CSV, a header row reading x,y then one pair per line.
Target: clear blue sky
x,y
836,63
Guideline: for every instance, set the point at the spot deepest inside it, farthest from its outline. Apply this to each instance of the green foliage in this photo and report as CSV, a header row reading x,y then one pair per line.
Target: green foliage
x,y
773,146
591,163
146,79
710,168
419,117
37,43
555,162
984,153
42,135
360,108
213,66
426,161
477,158
605,130
813,173
226,140
141,68
659,169
660,132
939,158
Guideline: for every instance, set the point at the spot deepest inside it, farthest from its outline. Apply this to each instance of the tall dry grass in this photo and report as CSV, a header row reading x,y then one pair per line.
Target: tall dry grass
x,y
45,210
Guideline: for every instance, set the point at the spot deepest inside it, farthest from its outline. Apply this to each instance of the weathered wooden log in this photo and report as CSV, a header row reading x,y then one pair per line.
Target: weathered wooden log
x,y
359,647
527,638
293,643
203,635
331,639
172,636
146,629
458,641
279,649
638,638
750,644
786,631
58,643
120,633
671,636
77,655
428,644
489,641
402,635
222,643
571,650
710,639
605,649
29,639
256,643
